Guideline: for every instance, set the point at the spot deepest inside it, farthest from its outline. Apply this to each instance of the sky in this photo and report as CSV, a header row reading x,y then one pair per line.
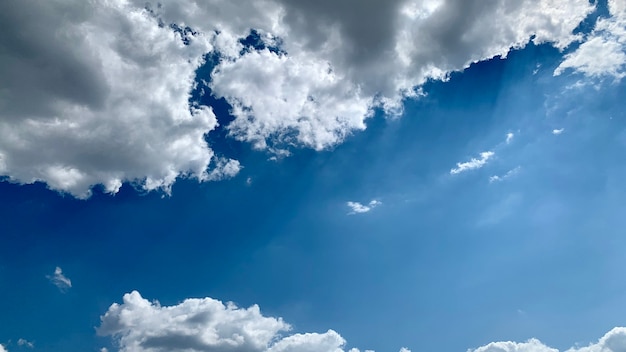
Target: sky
x,y
329,176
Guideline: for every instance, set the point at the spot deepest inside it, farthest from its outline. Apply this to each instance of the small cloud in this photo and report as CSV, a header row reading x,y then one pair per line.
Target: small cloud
x,y
558,131
508,174
473,163
60,280
2,349
104,349
249,181
358,208
25,343
509,137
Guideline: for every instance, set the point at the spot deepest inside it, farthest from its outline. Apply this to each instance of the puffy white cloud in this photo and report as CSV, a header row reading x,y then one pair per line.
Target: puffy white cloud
x,y
604,51
558,131
98,92
532,345
613,341
206,324
473,163
3,349
59,280
358,208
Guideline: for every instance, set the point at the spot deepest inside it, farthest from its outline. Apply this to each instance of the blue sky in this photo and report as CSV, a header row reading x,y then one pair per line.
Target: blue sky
x,y
482,204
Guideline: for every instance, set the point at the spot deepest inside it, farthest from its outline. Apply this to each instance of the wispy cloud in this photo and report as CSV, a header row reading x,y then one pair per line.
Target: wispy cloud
x,y
358,208
508,174
558,131
25,343
59,280
473,163
509,137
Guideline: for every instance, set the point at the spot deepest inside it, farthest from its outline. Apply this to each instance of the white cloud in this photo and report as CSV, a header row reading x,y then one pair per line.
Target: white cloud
x,y
357,208
604,51
507,175
98,92
25,343
473,163
613,341
509,137
60,280
558,131
3,349
195,325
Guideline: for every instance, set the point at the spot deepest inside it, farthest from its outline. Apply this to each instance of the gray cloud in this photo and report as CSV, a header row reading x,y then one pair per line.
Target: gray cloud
x,y
98,92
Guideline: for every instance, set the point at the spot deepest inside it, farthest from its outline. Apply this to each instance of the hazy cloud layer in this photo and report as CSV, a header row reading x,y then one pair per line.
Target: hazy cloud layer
x,y
98,92
138,325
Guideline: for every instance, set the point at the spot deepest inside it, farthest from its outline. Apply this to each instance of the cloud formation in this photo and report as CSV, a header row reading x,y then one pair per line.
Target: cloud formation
x,y
358,208
604,52
60,280
99,92
195,325
613,341
3,349
472,164
558,131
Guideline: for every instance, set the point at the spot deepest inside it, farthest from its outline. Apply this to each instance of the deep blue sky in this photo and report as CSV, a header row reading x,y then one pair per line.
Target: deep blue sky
x,y
525,241
447,262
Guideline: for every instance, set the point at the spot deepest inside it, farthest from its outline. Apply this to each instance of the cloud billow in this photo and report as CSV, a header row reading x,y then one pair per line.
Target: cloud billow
x,y
99,92
206,324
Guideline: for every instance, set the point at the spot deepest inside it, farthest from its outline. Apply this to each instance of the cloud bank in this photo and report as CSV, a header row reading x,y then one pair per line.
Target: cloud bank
x,y
99,92
206,324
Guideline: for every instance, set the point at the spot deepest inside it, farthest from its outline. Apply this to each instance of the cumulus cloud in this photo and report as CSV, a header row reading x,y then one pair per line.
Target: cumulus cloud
x,y
99,92
558,131
358,208
604,52
206,324
3,349
59,280
473,163
613,341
